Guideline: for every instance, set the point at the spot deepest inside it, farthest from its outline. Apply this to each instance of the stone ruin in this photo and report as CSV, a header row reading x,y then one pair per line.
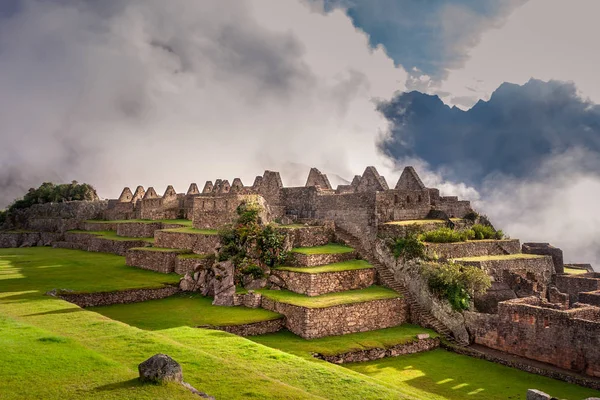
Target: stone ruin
x,y
533,310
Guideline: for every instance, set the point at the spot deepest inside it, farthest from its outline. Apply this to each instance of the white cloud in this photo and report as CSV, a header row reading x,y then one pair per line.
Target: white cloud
x,y
146,92
544,39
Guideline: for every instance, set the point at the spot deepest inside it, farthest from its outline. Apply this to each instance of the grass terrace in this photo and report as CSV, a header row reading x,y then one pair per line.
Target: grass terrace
x,y
185,222
439,374
184,309
112,235
189,229
518,256
333,345
331,248
293,226
336,267
416,222
575,271
329,299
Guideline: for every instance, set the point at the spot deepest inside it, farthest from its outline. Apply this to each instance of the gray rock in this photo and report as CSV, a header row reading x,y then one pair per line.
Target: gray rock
x,y
534,394
224,285
256,284
422,336
159,368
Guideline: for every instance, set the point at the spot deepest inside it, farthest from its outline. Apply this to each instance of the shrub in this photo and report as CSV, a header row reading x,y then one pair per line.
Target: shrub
x,y
447,235
409,247
253,270
456,283
271,246
2,217
486,232
471,216
51,193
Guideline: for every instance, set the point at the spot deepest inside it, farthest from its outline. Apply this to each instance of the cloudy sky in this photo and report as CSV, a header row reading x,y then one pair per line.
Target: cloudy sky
x,y
492,100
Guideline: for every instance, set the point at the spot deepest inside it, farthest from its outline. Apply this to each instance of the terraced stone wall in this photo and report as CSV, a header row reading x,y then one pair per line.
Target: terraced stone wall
x,y
256,328
90,242
474,248
197,243
185,265
158,261
309,236
118,297
327,282
592,298
56,217
28,239
138,229
310,323
311,260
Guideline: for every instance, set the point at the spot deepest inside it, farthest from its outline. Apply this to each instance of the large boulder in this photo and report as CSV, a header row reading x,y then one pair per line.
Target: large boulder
x,y
224,284
160,368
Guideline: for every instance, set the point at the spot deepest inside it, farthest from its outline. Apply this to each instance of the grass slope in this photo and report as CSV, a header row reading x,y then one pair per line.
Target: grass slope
x,y
383,338
183,309
329,299
439,374
336,267
331,248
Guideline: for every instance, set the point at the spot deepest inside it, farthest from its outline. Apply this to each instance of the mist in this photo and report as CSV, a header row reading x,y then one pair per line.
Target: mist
x,y
148,93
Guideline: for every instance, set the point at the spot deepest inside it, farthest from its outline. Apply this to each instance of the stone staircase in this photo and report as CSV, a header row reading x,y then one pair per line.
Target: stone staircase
x,y
417,312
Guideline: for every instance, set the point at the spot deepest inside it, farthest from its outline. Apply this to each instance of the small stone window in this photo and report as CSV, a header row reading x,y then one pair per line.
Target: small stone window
x,y
214,204
546,322
420,199
407,199
203,205
396,201
515,317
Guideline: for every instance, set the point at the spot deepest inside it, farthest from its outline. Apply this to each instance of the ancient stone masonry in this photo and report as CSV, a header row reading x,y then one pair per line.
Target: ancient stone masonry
x,y
118,297
548,250
312,284
535,329
575,285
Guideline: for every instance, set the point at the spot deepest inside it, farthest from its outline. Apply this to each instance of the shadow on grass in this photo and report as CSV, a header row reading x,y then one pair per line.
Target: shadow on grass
x,y
63,311
132,383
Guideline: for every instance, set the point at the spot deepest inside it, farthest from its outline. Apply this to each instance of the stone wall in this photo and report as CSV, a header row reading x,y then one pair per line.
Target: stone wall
x,y
184,265
56,217
399,205
592,298
327,282
311,260
98,226
531,275
119,297
153,260
575,284
310,323
308,236
412,347
474,248
91,242
393,231
197,243
530,328
253,329
547,250
28,239
138,229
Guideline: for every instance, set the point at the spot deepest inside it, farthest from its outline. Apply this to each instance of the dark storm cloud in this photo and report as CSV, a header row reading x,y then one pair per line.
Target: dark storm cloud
x,y
511,134
432,36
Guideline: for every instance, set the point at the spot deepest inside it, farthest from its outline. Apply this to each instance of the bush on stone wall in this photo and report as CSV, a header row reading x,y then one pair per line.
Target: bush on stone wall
x,y
486,232
456,283
51,193
447,235
409,247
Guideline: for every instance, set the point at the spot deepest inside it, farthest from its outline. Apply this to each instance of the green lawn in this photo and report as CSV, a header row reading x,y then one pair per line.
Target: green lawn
x,y
185,222
40,269
329,299
189,229
502,257
336,267
440,374
331,248
111,235
52,349
575,271
183,309
383,338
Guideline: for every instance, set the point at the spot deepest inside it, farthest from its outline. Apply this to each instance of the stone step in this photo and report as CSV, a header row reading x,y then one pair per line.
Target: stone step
x,y
315,281
337,313
473,248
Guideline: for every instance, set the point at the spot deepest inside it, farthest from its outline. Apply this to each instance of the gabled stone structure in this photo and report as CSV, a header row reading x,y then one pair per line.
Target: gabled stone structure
x,y
371,181
318,179
237,185
170,194
208,187
409,180
139,194
150,194
125,196
192,190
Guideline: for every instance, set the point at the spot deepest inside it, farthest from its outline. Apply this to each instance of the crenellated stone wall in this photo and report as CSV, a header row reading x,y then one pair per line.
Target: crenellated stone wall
x,y
326,282
310,323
